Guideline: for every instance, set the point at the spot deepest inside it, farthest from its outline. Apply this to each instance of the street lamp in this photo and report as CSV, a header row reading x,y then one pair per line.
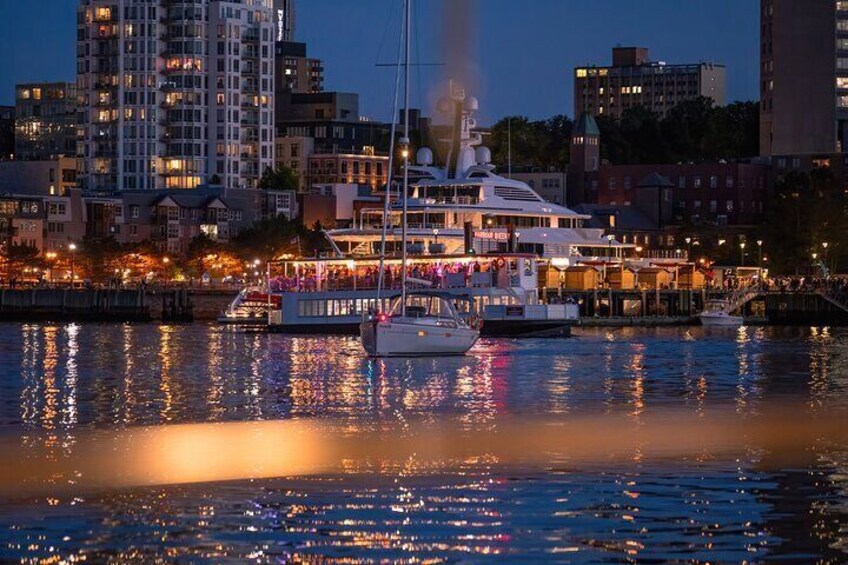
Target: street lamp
x,y
72,248
825,245
688,241
760,257
51,256
742,252
436,236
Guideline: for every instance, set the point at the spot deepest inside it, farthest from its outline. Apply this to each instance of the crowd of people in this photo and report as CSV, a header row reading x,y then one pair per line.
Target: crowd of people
x,y
342,277
830,285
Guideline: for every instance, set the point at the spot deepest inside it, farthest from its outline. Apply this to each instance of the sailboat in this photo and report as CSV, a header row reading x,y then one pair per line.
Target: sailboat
x,y
420,323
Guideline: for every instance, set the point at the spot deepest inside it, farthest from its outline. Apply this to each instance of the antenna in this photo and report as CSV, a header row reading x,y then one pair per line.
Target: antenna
x,y
509,148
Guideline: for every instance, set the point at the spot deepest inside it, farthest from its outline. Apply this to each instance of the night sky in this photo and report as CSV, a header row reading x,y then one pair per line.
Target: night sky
x,y
527,48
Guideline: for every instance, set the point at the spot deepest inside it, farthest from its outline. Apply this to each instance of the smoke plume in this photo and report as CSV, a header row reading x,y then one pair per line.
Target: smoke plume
x,y
461,26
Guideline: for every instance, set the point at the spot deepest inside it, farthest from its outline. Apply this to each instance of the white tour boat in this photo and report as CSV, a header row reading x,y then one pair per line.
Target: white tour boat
x,y
330,296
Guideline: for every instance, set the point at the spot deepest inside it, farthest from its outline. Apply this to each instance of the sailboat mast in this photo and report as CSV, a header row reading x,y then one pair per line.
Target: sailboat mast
x,y
391,174
408,26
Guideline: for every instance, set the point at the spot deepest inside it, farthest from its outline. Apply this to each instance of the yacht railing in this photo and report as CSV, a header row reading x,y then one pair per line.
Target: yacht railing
x,y
444,281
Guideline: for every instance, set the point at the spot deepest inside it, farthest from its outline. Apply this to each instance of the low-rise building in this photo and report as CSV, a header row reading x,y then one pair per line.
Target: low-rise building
x,y
294,71
171,220
330,118
293,153
365,167
52,177
64,222
349,200
104,217
550,185
22,220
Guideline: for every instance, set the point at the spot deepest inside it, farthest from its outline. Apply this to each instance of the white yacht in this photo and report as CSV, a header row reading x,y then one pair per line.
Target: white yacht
x,y
466,207
474,233
716,314
721,312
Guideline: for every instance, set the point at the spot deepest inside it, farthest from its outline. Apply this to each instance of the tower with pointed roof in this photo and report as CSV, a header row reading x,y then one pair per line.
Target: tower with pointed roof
x,y
585,160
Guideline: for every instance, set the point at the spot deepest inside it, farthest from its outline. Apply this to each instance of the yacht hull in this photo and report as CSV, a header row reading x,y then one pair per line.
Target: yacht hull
x,y
408,339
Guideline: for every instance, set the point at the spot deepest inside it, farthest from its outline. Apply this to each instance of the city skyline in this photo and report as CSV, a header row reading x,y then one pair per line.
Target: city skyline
x,y
720,31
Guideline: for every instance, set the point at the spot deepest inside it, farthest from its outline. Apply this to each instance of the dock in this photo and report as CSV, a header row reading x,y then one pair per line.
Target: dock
x,y
617,308
95,305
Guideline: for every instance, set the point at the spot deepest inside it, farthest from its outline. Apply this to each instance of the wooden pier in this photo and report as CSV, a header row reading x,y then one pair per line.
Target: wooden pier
x,y
610,307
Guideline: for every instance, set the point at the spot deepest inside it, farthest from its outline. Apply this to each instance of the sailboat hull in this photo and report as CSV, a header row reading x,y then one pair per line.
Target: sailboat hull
x,y
396,338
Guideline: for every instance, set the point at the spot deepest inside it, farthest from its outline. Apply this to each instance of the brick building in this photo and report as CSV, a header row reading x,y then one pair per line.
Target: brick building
x,y
720,194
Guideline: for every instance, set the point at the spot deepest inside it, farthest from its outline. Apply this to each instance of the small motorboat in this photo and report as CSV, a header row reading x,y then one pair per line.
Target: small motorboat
x,y
718,313
427,324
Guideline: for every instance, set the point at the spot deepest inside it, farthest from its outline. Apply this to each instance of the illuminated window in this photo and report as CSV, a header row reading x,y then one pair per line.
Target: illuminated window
x,y
103,14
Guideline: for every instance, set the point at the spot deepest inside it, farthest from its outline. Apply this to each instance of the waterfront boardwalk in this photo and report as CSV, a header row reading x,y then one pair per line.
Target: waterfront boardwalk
x,y
96,305
681,307
602,307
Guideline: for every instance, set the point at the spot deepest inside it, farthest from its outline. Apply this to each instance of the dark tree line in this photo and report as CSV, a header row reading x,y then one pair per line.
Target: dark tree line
x,y
806,211
693,131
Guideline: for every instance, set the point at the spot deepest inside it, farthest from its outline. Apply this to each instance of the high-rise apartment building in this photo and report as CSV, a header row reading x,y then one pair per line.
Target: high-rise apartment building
x,y
284,17
175,92
634,80
804,76
45,121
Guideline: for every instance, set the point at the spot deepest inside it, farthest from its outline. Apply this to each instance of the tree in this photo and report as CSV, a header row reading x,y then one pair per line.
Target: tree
x,y
215,180
100,257
693,131
19,257
199,248
279,179
808,209
543,144
269,239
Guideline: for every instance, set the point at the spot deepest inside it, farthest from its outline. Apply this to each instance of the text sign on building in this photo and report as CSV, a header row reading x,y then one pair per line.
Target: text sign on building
x,y
492,235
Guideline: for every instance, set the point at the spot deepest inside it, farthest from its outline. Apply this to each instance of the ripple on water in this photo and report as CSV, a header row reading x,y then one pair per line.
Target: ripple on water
x,y
59,380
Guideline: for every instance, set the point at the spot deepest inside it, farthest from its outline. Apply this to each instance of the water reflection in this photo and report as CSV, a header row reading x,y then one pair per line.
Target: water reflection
x,y
61,381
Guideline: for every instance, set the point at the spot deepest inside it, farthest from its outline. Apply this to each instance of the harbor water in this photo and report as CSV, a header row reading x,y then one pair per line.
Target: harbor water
x,y
61,384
